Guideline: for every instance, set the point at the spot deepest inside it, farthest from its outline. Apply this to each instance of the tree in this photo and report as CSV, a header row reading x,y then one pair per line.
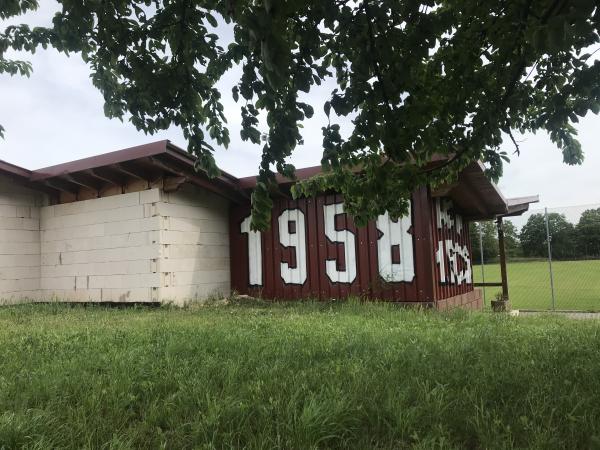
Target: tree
x,y
588,233
489,238
512,243
533,236
423,81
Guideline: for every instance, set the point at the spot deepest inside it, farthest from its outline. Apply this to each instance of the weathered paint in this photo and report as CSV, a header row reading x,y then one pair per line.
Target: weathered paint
x,y
452,247
313,249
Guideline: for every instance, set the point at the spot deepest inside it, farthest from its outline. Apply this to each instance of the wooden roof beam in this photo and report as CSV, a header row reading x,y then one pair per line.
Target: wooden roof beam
x,y
195,179
83,180
106,176
130,171
61,185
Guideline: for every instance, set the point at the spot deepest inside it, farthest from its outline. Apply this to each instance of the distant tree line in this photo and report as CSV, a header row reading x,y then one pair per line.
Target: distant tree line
x,y
568,241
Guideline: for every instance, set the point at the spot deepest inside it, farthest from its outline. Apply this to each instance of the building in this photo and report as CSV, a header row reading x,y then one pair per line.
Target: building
x,y
141,225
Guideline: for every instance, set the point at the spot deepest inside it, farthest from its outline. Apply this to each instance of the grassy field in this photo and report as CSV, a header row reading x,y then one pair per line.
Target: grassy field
x,y
296,377
576,283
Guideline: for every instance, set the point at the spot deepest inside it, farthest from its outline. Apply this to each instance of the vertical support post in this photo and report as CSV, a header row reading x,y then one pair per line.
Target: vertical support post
x,y
502,259
549,242
482,261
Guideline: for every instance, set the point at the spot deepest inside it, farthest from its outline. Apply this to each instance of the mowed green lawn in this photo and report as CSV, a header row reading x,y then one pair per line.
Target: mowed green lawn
x,y
295,376
576,284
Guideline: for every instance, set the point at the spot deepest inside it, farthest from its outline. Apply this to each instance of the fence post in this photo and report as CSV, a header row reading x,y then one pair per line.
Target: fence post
x,y
548,241
481,256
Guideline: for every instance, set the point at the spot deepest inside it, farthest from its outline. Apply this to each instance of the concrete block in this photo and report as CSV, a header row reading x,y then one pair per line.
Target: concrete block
x,y
192,264
23,211
101,242
20,235
98,204
8,211
19,272
189,212
81,282
198,251
194,196
19,285
97,268
111,254
179,237
125,281
19,297
166,279
193,238
46,212
19,248
202,225
58,283
68,295
18,223
126,295
18,198
133,226
93,217
151,196
69,233
201,277
48,259
32,260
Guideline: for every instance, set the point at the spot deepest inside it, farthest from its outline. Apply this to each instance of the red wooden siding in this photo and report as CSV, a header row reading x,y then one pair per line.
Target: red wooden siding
x,y
453,229
319,248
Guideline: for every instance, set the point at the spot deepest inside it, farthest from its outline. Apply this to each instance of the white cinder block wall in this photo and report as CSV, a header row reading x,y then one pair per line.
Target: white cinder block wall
x,y
194,257
147,246
19,242
104,249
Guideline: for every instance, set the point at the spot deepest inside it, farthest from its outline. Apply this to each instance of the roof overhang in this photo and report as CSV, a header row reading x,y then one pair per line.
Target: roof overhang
x,y
11,170
519,205
21,177
478,198
150,162
473,194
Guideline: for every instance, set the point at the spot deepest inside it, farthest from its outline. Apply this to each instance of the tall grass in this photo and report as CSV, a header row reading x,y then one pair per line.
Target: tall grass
x,y
307,375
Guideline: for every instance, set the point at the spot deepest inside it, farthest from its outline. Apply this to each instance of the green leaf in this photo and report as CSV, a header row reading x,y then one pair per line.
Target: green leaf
x,y
211,19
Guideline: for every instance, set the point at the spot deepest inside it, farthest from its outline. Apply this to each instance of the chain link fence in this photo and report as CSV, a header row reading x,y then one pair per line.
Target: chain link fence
x,y
553,258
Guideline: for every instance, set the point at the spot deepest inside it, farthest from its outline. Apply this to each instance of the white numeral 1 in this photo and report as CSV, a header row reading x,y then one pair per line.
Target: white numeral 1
x,y
254,253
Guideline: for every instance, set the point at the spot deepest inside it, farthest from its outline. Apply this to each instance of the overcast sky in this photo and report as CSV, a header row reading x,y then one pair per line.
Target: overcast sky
x,y
57,116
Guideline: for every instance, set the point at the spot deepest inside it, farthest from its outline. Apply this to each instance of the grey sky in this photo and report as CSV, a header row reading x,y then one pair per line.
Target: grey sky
x,y
57,116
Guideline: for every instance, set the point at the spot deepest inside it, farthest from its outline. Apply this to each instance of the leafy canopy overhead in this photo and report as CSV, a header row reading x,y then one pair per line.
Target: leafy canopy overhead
x,y
418,78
